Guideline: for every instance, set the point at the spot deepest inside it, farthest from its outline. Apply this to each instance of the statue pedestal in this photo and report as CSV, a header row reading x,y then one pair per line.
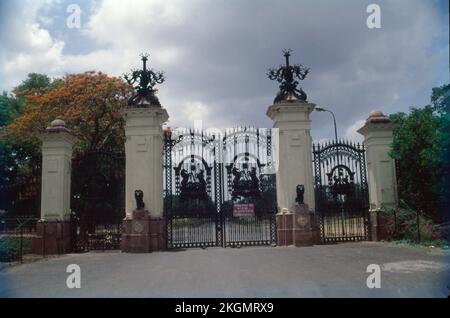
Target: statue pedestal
x,y
136,233
157,234
143,234
284,228
302,230
297,226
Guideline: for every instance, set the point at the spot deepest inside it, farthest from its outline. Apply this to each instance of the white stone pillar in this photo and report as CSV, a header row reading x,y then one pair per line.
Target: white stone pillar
x,y
53,229
377,132
144,157
294,151
57,145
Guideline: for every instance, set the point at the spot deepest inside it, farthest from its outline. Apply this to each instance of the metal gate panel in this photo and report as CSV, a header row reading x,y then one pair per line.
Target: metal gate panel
x,y
206,175
97,200
341,191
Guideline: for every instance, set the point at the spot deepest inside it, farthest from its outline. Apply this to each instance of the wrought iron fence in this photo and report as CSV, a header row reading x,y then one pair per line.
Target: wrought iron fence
x,y
250,231
22,197
91,236
16,235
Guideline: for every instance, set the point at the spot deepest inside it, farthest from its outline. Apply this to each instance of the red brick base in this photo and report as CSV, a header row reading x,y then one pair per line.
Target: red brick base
x,y
298,228
143,234
52,237
377,228
158,234
284,229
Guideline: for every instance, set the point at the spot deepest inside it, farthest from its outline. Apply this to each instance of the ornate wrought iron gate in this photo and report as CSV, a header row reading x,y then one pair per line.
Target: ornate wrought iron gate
x,y
341,191
97,200
219,189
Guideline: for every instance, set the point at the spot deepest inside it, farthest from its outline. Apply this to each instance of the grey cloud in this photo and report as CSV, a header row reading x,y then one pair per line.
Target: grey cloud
x,y
353,69
227,46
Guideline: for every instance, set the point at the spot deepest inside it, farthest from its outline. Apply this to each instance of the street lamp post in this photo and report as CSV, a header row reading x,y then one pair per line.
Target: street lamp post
x,y
320,109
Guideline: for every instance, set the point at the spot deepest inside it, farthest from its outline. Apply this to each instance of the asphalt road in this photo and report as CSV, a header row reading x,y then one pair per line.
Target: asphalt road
x,y
319,271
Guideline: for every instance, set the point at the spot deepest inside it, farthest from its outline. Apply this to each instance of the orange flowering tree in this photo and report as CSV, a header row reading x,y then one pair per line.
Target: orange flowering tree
x,y
89,103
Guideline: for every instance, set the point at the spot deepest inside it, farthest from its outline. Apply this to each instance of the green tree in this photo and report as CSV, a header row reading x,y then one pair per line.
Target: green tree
x,y
35,84
440,101
16,166
420,148
10,108
14,156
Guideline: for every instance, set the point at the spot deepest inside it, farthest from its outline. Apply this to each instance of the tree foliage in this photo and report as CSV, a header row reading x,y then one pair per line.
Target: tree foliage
x,y
420,148
89,103
36,84
14,156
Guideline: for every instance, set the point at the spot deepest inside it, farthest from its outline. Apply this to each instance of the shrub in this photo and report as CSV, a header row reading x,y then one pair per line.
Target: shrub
x,y
441,232
10,248
401,224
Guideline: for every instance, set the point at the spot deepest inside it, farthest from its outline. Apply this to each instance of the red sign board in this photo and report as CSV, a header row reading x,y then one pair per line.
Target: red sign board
x,y
243,210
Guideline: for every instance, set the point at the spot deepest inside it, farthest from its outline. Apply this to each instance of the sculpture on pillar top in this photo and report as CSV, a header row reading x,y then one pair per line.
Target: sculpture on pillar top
x,y
300,194
286,75
143,82
139,197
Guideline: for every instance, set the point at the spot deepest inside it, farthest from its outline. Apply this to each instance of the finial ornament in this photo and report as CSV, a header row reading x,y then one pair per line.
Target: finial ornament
x,y
286,75
143,82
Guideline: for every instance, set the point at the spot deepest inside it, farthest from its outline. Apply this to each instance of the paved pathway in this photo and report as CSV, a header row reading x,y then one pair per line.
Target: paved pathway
x,y
319,271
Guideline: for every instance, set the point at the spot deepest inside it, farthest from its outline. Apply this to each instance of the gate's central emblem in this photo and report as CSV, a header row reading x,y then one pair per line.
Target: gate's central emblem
x,y
341,180
193,184
245,182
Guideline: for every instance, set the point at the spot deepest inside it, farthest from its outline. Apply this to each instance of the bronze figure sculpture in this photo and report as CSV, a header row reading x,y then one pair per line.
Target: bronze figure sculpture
x,y
285,75
146,79
139,197
300,194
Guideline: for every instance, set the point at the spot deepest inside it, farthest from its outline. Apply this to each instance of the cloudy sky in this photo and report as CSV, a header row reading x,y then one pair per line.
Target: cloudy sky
x,y
215,53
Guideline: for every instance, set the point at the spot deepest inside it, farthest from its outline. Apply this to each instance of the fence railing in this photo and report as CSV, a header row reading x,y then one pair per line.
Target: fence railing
x,y
16,235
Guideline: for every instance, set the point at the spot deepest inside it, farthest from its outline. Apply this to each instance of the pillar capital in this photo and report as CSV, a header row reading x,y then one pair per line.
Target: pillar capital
x,y
149,116
56,135
290,112
377,129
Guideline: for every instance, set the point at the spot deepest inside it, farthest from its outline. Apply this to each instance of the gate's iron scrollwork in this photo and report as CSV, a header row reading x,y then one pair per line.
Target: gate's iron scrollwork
x,y
286,75
207,176
341,191
145,80
97,200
